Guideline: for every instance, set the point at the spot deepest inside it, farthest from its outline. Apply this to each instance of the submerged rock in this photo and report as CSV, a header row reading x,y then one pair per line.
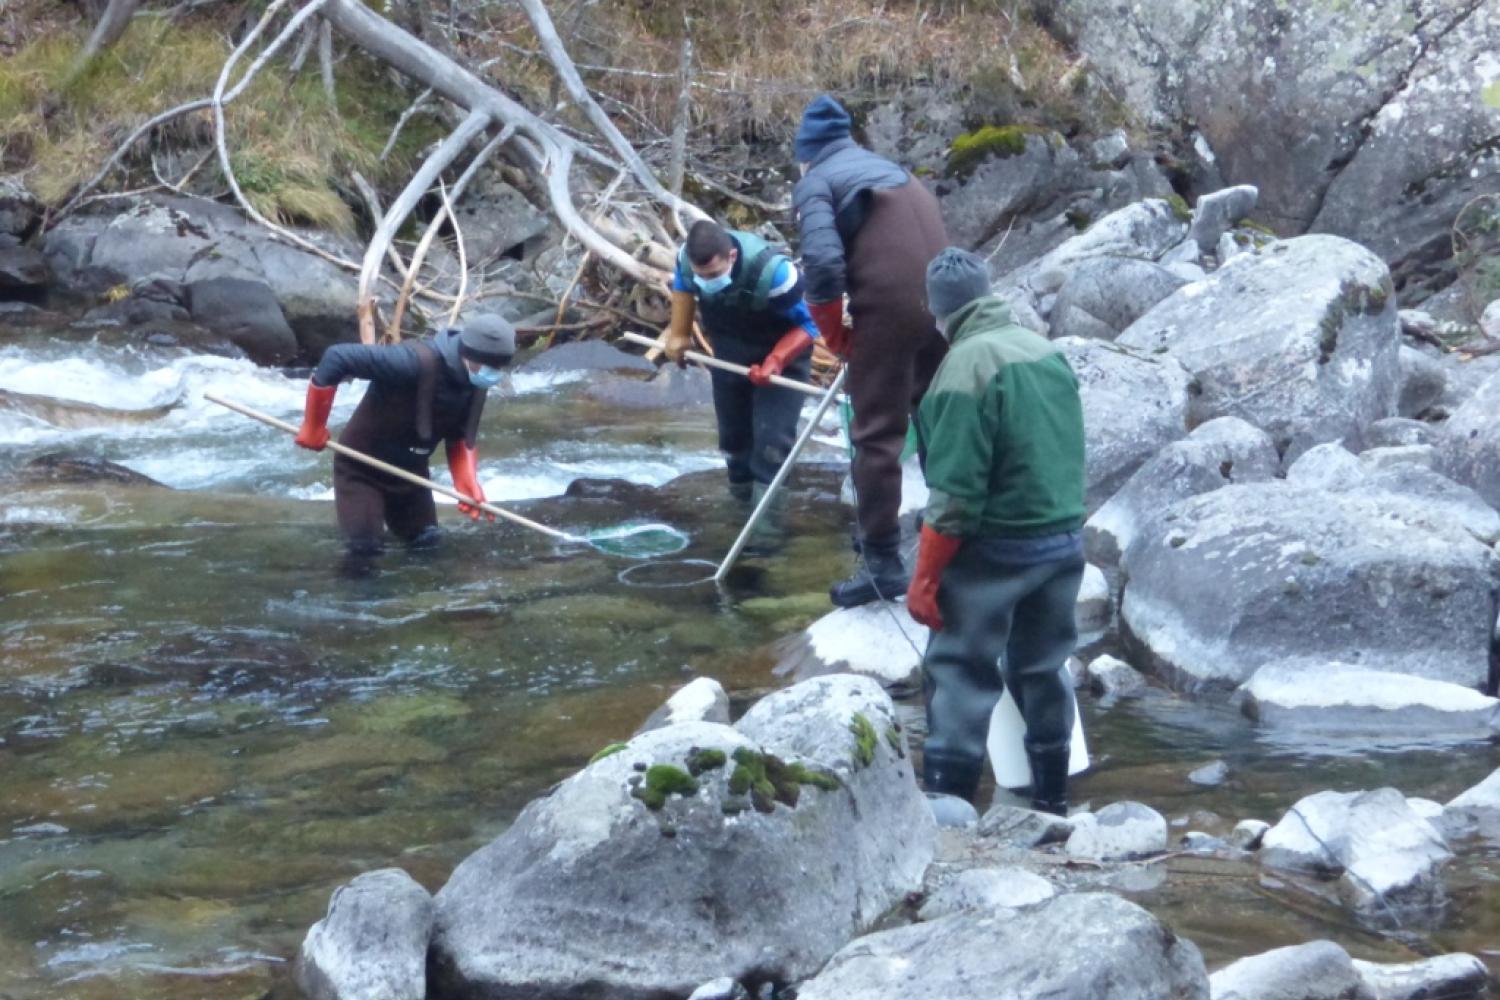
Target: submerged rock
x,y
1378,580
1319,970
1389,860
753,852
63,469
1112,679
372,945
1321,366
1316,695
1084,945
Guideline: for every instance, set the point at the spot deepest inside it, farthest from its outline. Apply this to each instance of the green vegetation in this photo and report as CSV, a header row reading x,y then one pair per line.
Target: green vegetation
x,y
864,740
700,760
973,148
767,780
608,751
663,780
289,145
1180,207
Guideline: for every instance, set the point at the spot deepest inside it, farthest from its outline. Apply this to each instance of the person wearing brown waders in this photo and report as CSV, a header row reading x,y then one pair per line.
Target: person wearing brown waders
x,y
420,394
869,229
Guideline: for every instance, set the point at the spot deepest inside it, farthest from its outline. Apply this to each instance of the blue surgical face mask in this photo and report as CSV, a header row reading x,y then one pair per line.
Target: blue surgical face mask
x,y
486,377
712,286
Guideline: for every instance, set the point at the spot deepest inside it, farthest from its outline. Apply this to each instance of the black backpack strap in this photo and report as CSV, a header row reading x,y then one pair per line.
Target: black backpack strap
x,y
476,410
427,360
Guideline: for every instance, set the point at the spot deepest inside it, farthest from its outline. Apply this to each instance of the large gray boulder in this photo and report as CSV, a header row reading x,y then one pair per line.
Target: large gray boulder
x,y
23,270
1217,213
702,699
1315,696
1470,448
1216,454
189,242
1146,230
1021,176
1376,580
1300,340
1084,945
1105,295
879,640
1318,970
797,831
1387,858
19,209
1447,977
498,221
372,945
1423,382
1133,405
246,314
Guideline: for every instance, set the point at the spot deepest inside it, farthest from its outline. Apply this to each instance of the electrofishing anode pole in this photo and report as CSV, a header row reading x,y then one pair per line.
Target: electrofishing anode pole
x,y
400,473
781,474
710,361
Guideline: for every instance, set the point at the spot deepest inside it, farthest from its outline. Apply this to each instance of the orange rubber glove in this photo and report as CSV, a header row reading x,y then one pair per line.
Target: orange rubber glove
x,y
463,466
830,319
680,330
792,345
313,434
934,555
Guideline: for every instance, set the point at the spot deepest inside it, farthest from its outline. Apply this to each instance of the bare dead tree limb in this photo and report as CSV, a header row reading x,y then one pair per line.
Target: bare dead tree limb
x,y
682,114
447,151
325,62
304,49
463,258
371,199
110,27
121,150
415,108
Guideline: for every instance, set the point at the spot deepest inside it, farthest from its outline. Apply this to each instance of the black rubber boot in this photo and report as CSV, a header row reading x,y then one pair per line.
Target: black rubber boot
x,y
770,532
1049,779
741,490
951,775
881,576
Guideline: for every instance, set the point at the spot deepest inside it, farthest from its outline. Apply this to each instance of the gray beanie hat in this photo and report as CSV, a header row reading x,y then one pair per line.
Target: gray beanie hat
x,y
954,279
486,338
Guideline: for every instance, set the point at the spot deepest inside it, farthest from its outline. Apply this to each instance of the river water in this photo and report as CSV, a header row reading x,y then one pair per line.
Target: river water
x,y
205,727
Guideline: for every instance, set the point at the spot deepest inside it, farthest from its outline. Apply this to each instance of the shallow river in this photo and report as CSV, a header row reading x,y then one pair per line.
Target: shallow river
x,y
205,727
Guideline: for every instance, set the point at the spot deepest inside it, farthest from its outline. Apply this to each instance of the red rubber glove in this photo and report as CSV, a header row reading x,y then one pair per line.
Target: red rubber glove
x,y
934,555
313,434
830,319
792,345
463,462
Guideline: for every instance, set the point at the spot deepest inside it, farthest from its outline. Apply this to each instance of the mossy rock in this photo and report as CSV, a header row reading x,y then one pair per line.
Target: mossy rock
x,y
865,739
661,782
973,148
1180,208
608,751
767,780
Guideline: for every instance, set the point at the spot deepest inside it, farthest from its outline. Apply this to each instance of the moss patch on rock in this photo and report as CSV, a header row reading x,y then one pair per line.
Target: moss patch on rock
x,y
608,751
973,148
865,739
767,779
1180,208
663,781
701,760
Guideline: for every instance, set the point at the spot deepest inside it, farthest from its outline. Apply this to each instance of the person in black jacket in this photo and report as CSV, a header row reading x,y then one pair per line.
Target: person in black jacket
x,y
420,393
869,229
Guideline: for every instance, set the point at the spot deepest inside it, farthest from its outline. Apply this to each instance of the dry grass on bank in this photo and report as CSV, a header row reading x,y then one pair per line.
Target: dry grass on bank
x,y
291,148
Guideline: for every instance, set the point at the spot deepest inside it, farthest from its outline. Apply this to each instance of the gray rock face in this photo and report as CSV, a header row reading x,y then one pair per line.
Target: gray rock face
x,y
247,315
1216,213
1112,678
720,989
702,699
1133,406
23,271
1143,231
586,356
984,890
1248,833
1471,447
1373,579
189,241
372,945
1423,382
1323,697
1322,365
594,892
977,208
1388,858
1084,945
1476,810
19,209
1489,320
498,221
1215,455
1118,832
1092,612
1399,432
1319,970
671,388
1105,295
1027,828
874,640
1446,977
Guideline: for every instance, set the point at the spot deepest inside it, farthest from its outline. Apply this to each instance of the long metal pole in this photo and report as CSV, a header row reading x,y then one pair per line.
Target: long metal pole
x,y
781,474
398,472
713,362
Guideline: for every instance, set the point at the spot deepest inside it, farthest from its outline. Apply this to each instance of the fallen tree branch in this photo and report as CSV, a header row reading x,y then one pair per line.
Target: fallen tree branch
x,y
119,154
377,215
415,108
463,259
447,151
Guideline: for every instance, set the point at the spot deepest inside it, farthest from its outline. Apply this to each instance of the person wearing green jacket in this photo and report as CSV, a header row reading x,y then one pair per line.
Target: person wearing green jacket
x,y
1001,557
